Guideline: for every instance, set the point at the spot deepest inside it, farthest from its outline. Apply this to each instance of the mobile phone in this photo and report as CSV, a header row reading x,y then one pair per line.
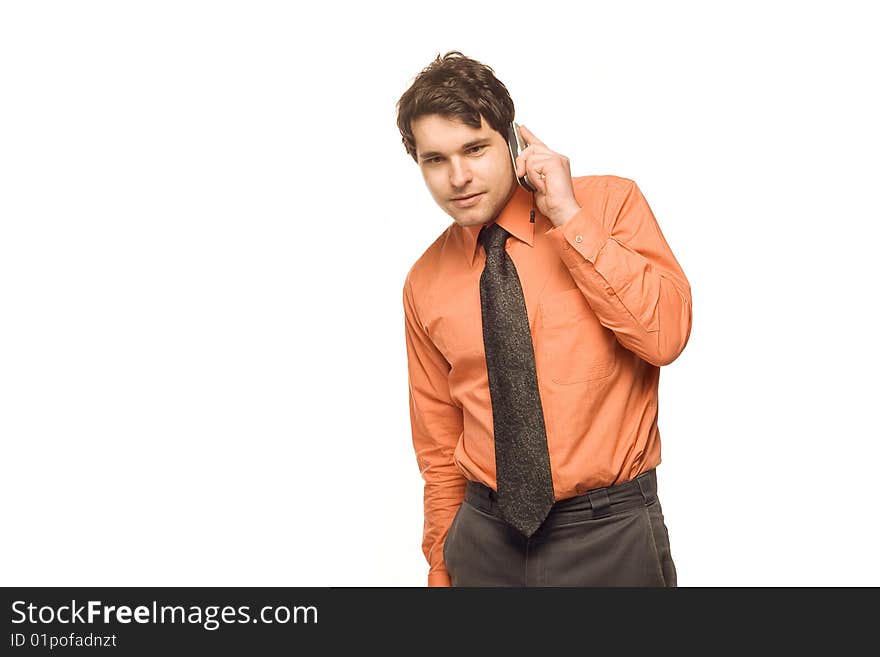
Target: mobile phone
x,y
516,145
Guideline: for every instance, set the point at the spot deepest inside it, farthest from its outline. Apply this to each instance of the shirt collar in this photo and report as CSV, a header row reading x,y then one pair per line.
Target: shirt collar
x,y
514,218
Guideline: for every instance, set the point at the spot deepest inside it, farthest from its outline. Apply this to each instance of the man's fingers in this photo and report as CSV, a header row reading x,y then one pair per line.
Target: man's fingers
x,y
524,160
530,137
533,164
520,165
528,153
537,164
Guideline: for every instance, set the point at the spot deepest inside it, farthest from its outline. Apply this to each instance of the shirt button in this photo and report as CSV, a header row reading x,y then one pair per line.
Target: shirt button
x,y
566,246
578,239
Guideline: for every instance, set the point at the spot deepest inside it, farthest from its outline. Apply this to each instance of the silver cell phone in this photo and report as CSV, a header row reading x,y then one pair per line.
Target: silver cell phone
x,y
516,145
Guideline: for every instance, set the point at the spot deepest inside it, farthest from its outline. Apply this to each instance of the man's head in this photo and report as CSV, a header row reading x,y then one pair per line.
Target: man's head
x,y
453,120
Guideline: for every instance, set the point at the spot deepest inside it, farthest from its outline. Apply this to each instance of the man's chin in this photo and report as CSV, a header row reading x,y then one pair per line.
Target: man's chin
x,y
472,222
469,219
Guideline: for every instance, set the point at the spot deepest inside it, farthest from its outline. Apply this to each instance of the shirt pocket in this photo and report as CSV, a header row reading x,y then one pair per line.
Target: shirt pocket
x,y
575,345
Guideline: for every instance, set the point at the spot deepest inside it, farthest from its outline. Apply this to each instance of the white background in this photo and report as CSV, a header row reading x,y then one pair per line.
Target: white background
x,y
207,217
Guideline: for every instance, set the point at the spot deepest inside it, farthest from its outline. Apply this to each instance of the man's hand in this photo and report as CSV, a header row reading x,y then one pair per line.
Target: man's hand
x,y
549,173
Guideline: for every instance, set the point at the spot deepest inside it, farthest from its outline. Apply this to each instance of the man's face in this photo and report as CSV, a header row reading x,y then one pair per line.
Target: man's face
x,y
460,161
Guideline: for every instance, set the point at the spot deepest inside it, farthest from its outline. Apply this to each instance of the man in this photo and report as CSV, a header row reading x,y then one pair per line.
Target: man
x,y
536,325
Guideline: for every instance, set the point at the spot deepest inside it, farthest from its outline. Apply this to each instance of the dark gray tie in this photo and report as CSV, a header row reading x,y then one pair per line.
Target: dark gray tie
x,y
522,460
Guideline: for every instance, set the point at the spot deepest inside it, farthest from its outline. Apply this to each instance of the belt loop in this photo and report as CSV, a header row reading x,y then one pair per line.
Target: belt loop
x,y
643,480
599,502
484,497
489,496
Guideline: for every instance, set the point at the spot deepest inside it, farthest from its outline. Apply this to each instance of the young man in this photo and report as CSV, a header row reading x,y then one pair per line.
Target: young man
x,y
536,325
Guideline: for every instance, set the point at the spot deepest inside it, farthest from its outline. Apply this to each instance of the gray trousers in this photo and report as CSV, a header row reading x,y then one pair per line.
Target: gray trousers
x,y
613,536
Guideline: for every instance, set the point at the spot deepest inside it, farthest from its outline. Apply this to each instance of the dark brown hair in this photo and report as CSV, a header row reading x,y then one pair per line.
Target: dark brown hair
x,y
455,86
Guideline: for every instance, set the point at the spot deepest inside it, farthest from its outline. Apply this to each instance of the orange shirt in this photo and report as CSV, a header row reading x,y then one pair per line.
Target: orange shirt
x,y
608,304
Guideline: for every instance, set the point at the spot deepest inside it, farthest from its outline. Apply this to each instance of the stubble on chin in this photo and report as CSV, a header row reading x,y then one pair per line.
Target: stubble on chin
x,y
473,222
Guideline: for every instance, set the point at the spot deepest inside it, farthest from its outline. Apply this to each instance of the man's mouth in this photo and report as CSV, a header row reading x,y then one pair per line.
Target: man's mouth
x,y
467,201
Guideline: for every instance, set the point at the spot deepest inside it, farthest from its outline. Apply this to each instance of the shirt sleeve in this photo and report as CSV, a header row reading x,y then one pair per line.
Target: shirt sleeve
x,y
621,262
437,424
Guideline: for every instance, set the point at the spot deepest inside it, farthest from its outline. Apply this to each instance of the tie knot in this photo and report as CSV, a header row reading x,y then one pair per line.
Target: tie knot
x,y
493,237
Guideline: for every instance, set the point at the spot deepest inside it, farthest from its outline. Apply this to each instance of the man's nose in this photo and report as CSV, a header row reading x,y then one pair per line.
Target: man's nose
x,y
459,173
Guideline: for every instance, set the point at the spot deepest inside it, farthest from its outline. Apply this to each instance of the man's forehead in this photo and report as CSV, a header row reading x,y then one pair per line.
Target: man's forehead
x,y
435,133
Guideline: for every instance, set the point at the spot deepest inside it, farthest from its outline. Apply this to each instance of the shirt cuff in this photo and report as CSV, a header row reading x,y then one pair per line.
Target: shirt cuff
x,y
439,578
580,238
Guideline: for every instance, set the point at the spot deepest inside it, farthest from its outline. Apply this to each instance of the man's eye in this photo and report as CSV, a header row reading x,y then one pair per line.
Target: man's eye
x,y
476,148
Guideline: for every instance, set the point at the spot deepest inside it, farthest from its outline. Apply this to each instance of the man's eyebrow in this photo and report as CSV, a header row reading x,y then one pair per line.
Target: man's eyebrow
x,y
470,144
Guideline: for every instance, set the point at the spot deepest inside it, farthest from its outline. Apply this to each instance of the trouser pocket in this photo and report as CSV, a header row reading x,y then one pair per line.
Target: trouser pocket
x,y
660,542
450,536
